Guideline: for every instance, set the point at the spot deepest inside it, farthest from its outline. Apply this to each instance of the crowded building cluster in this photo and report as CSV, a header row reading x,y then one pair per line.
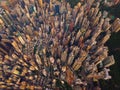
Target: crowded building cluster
x,y
45,42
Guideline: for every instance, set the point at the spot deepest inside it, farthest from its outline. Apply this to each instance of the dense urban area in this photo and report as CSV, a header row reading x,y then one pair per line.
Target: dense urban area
x,y
60,44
